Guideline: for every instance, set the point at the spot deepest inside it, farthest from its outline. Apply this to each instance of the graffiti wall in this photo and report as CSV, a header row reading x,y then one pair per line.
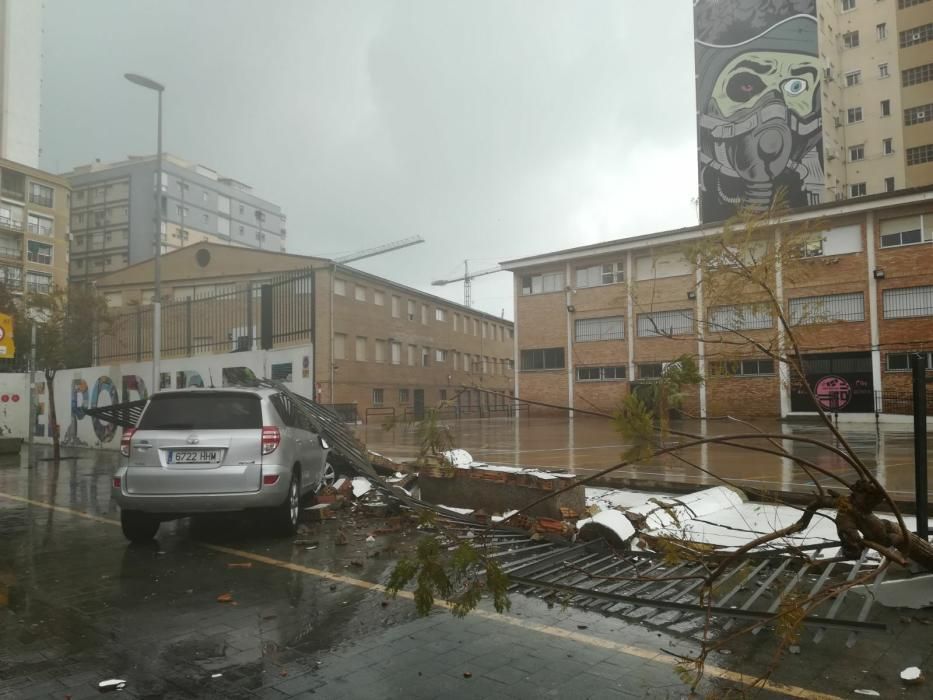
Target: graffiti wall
x,y
758,104
76,390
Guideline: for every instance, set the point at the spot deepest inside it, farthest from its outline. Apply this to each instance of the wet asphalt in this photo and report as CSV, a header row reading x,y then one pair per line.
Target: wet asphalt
x,y
78,605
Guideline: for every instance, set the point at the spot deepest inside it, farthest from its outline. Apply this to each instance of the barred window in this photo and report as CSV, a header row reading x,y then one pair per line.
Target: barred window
x,y
741,317
662,323
920,154
901,361
546,358
598,275
827,309
917,35
917,75
743,368
908,302
918,115
609,328
901,4
600,374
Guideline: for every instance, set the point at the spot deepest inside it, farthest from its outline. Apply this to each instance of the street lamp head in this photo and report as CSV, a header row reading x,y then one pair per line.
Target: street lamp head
x,y
144,81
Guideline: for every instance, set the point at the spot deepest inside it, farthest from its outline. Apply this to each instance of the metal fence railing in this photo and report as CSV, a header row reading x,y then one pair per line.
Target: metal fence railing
x,y
276,313
899,403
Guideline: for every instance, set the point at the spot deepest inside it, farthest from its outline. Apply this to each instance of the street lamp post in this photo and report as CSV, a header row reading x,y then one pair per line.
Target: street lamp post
x,y
157,300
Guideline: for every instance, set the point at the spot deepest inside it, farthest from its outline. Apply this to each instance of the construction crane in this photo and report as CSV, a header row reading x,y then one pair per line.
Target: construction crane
x,y
467,280
378,250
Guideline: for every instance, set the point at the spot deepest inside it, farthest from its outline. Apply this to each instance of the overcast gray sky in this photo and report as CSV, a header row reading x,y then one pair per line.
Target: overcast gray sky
x,y
493,129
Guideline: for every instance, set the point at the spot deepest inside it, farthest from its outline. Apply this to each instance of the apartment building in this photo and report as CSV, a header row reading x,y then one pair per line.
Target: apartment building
x,y
588,318
33,229
820,100
20,80
113,213
375,343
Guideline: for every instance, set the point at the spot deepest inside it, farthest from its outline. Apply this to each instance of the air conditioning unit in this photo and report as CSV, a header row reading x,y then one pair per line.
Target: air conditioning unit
x,y
828,74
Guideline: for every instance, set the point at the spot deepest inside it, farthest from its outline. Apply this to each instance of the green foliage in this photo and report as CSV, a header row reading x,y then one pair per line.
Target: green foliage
x,y
455,577
635,423
68,323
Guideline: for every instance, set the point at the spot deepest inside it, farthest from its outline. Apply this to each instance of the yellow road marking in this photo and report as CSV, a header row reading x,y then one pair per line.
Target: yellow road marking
x,y
550,630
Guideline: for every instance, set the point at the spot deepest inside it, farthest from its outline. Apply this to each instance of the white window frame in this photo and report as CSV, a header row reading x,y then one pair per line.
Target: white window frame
x,y
907,302
588,330
826,308
543,283
660,324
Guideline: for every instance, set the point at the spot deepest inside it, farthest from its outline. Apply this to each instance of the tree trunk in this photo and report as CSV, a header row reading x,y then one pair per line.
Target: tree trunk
x,y
53,418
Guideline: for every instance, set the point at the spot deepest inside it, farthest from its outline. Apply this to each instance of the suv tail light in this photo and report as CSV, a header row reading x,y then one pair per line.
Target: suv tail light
x,y
271,437
125,441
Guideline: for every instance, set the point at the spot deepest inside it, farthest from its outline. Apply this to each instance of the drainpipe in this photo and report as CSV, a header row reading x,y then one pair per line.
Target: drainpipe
x,y
333,274
568,297
701,345
873,302
630,317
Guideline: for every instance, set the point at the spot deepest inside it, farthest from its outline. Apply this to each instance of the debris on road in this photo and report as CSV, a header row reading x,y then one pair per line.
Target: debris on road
x,y
240,565
225,598
111,684
912,675
865,691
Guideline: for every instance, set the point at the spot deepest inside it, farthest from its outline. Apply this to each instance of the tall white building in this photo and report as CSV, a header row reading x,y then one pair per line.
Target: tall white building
x,y
20,79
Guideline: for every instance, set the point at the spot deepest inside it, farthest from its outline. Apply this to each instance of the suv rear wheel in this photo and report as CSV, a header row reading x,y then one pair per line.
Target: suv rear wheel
x,y
285,516
138,526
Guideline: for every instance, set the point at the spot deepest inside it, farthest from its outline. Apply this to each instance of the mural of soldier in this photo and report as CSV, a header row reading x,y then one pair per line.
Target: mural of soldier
x,y
758,104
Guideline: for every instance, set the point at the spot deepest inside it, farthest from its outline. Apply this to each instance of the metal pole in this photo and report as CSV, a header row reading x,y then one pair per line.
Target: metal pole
x,y
157,301
32,386
919,362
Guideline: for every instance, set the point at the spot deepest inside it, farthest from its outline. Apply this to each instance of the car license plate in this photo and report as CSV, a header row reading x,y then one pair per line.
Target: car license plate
x,y
193,456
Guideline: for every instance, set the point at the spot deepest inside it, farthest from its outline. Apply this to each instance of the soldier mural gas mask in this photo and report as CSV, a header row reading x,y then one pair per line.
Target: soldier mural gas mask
x,y
760,120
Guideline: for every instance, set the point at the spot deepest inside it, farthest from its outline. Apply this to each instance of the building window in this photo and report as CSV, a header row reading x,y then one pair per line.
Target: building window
x,y
41,194
600,374
887,147
38,283
885,108
917,75
475,327
649,370
485,326
360,349
907,230
39,225
664,323
223,204
340,346
902,4
396,349
850,40
411,310
883,70
378,397
340,287
918,115
847,5
608,328
908,303
857,152
542,284
39,252
889,184
853,115
424,314
547,358
828,308
403,396
359,293
425,357
598,275
411,355
440,356
881,31
920,154
811,249
858,189
396,306
380,351
917,35
853,78
740,317
743,368
901,361
440,315
379,298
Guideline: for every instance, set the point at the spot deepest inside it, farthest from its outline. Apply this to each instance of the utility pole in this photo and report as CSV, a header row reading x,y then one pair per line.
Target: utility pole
x,y
31,427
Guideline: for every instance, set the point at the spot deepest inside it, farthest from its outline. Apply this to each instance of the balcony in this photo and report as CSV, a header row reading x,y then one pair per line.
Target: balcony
x,y
11,252
38,229
11,224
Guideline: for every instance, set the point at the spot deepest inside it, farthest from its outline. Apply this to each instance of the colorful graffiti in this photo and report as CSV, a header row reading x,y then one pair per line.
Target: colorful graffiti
x,y
758,105
103,393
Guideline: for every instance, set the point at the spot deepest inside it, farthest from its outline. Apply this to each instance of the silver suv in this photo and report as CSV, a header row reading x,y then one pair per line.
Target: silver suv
x,y
210,450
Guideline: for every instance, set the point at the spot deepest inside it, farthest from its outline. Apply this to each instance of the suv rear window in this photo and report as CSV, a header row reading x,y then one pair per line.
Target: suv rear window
x,y
202,411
